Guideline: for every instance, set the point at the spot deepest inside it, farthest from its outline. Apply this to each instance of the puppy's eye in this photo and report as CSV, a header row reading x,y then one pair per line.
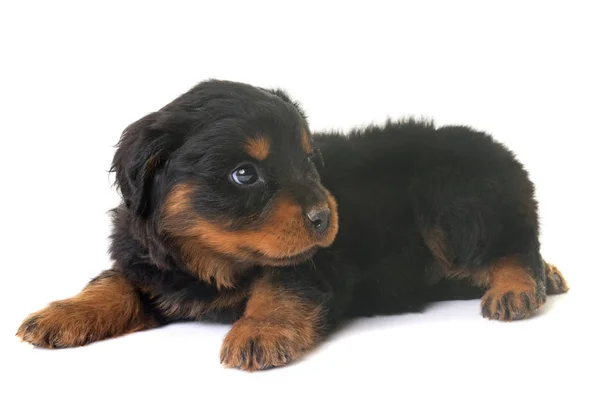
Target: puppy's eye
x,y
245,174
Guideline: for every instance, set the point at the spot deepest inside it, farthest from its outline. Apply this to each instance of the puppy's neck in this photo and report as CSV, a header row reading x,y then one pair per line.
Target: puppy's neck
x,y
210,266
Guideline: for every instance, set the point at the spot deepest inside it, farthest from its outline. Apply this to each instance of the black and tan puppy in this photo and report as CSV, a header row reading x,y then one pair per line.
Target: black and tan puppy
x,y
233,211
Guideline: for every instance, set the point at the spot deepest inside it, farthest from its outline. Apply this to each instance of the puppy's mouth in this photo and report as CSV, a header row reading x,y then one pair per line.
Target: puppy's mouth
x,y
281,261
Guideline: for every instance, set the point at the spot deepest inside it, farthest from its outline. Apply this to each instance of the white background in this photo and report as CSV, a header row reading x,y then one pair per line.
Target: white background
x,y
73,76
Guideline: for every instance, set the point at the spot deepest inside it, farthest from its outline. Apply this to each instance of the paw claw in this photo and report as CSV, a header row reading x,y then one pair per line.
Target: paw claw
x,y
518,315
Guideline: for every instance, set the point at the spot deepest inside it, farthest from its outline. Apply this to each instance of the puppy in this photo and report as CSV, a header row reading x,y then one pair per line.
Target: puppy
x,y
233,211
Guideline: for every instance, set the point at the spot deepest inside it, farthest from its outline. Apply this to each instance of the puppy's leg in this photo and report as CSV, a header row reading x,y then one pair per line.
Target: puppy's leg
x,y
278,326
109,306
515,284
289,311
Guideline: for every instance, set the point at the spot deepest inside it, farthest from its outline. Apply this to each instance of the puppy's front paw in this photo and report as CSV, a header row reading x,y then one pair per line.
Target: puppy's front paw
x,y
59,325
254,345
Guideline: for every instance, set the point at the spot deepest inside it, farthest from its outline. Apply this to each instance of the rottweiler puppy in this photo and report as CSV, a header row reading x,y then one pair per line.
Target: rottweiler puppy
x,y
233,211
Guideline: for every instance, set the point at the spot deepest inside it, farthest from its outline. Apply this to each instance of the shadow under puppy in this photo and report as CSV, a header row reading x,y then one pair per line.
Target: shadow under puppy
x,y
232,211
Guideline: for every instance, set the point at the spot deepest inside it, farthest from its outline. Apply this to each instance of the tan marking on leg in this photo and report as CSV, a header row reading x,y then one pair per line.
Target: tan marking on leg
x,y
277,328
107,307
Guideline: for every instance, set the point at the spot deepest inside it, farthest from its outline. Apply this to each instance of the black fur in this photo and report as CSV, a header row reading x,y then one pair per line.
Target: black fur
x,y
396,181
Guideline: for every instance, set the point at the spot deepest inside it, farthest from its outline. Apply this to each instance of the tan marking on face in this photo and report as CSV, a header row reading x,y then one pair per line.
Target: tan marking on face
x,y
258,147
206,245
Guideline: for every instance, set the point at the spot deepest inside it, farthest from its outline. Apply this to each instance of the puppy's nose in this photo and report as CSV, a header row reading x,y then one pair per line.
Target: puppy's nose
x,y
318,219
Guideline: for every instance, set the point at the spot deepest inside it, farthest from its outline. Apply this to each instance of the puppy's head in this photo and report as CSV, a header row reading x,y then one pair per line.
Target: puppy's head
x,y
228,170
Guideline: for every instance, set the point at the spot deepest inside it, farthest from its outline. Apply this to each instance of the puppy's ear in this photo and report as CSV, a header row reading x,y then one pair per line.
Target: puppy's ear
x,y
142,152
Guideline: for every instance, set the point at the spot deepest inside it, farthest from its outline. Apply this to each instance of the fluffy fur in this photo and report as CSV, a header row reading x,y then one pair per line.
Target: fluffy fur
x,y
233,211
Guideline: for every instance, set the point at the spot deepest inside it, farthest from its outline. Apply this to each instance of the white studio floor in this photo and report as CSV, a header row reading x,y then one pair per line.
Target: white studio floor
x,y
447,359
